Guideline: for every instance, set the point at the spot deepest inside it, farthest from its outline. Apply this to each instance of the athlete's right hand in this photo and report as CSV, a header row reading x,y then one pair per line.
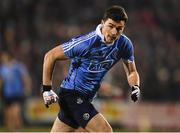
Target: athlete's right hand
x,y
49,97
135,94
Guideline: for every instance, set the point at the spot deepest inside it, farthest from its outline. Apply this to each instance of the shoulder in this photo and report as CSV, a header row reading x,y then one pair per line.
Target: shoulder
x,y
124,42
80,40
86,40
126,39
79,45
85,37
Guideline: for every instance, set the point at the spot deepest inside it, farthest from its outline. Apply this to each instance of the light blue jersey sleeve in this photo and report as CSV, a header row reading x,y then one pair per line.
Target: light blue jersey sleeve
x,y
128,53
78,46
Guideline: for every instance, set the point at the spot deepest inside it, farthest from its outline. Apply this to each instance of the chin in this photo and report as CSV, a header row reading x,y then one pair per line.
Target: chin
x,y
109,42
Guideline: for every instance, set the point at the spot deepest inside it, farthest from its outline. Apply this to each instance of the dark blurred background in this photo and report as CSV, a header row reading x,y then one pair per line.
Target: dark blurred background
x,y
29,28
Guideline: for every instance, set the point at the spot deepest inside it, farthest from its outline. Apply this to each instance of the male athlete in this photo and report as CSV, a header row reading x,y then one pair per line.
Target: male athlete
x,y
15,83
92,55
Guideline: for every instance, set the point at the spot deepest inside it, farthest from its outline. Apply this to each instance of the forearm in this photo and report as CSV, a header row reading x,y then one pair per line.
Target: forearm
x,y
48,67
133,79
50,58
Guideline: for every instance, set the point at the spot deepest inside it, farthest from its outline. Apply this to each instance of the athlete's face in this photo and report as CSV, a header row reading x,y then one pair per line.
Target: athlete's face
x,y
4,58
112,30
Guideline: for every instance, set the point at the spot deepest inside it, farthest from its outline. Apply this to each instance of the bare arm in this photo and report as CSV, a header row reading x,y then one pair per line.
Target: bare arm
x,y
50,58
131,73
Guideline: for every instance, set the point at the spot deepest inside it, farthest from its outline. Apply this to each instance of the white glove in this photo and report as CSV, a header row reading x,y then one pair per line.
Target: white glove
x,y
49,97
135,94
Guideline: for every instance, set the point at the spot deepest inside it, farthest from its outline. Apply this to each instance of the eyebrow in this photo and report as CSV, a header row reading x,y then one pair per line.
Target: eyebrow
x,y
116,26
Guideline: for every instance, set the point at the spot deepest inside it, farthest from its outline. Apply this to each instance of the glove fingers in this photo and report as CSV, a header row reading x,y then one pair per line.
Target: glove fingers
x,y
134,98
48,101
49,97
135,94
135,91
55,99
51,101
47,106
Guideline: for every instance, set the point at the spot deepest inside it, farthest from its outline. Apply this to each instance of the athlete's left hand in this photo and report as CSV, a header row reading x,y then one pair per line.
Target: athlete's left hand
x,y
135,94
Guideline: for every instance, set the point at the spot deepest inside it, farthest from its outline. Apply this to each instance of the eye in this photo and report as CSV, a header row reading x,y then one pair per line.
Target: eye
x,y
119,29
110,26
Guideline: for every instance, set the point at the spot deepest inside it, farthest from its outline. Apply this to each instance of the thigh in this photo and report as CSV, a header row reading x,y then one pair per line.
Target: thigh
x,y
65,114
60,126
98,124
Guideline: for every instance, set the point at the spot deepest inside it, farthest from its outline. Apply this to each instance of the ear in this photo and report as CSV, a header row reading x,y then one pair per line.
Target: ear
x,y
102,22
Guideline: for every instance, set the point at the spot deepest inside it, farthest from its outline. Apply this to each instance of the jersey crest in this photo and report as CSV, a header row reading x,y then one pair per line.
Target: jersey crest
x,y
102,60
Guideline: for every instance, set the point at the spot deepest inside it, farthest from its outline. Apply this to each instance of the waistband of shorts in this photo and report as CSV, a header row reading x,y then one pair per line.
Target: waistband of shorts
x,y
76,92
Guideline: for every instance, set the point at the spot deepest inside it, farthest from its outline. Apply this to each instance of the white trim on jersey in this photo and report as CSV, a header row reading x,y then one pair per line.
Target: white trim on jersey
x,y
69,45
99,33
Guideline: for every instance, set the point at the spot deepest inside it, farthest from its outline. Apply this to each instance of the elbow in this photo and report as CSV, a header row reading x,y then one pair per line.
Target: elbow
x,y
54,54
48,57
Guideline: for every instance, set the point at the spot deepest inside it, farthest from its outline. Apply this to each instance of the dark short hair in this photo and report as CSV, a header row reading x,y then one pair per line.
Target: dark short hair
x,y
116,13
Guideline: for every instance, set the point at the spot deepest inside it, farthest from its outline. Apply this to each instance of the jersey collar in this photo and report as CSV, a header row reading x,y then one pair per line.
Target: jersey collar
x,y
99,33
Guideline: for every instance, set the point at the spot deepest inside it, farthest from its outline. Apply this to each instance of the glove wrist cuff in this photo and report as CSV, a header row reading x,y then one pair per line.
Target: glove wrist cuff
x,y
46,88
134,87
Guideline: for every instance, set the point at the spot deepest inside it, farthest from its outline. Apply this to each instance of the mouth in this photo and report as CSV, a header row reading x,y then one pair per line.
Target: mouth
x,y
111,38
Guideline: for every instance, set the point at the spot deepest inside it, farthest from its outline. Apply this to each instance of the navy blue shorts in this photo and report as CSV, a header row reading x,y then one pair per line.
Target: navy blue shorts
x,y
76,109
12,100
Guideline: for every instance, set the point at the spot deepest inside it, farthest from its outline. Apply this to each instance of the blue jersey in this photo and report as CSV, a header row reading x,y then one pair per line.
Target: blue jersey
x,y
12,76
92,58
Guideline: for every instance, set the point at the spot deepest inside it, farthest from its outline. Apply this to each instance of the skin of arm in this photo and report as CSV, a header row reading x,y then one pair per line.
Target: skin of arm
x,y
131,73
50,58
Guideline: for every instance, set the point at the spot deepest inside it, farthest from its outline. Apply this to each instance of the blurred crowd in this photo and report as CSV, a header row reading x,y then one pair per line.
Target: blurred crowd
x,y
29,28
